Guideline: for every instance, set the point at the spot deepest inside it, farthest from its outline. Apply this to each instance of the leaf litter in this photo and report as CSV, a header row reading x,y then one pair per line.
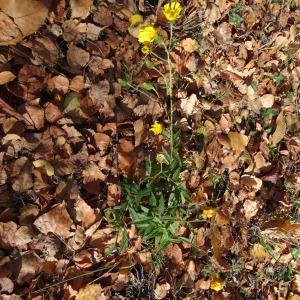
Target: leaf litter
x,y
72,134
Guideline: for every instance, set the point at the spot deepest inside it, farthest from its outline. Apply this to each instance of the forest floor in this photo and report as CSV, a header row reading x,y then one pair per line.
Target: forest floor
x,y
149,150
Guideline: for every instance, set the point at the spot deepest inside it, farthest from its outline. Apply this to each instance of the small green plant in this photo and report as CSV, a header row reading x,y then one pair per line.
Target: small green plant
x,y
268,113
156,204
278,78
272,152
235,14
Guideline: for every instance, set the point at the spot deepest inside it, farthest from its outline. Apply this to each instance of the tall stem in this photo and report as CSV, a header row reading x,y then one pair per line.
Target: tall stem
x,y
170,89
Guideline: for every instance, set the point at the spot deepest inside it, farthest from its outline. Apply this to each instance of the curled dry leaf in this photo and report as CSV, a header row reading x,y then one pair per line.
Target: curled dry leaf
x,y
92,173
35,115
84,213
30,267
188,105
83,259
52,112
189,45
92,292
23,236
238,142
161,290
80,8
267,100
56,221
58,84
7,233
45,49
6,76
22,169
6,285
77,57
280,130
20,18
250,208
44,166
113,194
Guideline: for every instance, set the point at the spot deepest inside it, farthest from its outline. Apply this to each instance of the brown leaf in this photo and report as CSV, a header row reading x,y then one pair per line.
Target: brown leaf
x,y
6,285
20,18
216,240
103,16
238,142
30,267
267,100
23,236
250,208
161,290
113,194
189,45
139,132
52,112
282,224
58,84
223,33
7,233
84,213
83,259
35,115
22,169
6,76
80,8
45,49
92,173
102,142
77,57
280,130
56,221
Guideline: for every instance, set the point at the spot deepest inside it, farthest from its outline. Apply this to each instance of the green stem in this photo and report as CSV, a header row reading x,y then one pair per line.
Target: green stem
x,y
170,85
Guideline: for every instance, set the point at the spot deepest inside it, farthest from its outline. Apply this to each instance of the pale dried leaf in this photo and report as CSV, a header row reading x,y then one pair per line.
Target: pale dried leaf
x,y
238,142
6,76
56,221
80,8
161,290
20,18
279,133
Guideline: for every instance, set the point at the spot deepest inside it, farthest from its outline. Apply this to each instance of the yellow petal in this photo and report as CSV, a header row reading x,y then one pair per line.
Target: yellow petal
x,y
136,20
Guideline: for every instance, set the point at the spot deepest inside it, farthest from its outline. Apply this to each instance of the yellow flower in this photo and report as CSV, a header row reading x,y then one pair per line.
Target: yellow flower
x,y
147,34
208,212
146,49
217,283
161,158
135,20
172,11
156,128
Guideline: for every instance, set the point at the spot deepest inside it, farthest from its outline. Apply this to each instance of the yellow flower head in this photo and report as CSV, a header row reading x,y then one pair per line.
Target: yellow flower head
x,y
208,212
161,158
147,34
146,49
172,11
136,20
156,128
217,283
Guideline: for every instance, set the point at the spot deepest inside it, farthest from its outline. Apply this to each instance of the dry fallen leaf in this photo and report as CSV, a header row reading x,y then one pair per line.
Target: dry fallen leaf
x,y
20,18
6,76
238,142
161,290
30,267
7,233
44,166
189,45
80,8
280,130
56,221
